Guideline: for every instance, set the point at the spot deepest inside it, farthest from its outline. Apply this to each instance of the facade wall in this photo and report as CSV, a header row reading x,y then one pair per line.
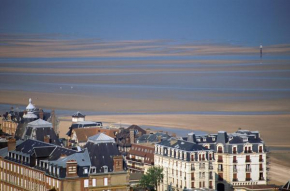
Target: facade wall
x,y
9,126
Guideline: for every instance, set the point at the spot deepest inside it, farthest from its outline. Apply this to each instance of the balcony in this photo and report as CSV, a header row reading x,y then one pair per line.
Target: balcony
x,y
235,170
261,160
248,179
220,160
235,161
248,170
210,167
192,168
192,178
249,151
235,179
261,178
248,160
220,169
261,169
210,177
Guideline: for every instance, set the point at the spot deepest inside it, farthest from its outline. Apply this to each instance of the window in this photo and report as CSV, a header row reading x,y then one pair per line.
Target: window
x,y
85,171
105,181
94,182
86,183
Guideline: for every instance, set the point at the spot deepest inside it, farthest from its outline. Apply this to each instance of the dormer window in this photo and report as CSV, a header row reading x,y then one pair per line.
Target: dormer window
x,y
213,139
85,170
105,169
93,169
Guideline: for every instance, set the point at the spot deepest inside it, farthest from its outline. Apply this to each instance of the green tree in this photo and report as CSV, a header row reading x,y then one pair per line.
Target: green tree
x,y
152,178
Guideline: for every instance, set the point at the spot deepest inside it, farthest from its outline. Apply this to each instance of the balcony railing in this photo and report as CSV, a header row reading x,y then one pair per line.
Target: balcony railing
x,y
248,179
261,178
210,177
192,168
220,160
235,179
261,160
220,169
235,170
235,161
248,160
210,167
248,170
192,178
261,169
250,151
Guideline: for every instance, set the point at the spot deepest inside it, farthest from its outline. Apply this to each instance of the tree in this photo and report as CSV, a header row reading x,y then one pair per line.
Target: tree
x,y
152,178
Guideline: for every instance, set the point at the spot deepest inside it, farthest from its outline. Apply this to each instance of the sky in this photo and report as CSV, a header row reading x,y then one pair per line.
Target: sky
x,y
141,28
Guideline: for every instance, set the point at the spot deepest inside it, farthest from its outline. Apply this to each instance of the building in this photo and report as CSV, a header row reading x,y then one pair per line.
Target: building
x,y
14,121
240,157
153,137
108,169
80,136
36,165
185,164
140,158
126,137
41,130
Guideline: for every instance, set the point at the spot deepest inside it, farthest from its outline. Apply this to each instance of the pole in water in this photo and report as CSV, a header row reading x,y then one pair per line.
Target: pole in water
x,y
261,51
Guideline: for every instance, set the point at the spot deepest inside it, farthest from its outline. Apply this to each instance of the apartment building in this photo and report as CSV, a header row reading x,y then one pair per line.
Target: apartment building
x,y
185,164
240,158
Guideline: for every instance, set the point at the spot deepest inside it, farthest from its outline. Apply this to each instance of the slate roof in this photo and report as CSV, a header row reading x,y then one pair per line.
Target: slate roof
x,y
38,130
102,155
182,145
43,151
4,151
82,159
39,123
101,138
153,138
137,129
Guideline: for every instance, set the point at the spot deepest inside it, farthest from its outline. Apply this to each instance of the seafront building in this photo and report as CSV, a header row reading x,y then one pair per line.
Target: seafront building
x,y
185,164
216,161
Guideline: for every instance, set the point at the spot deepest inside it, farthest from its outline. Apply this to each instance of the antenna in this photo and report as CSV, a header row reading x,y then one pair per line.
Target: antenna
x,y
261,51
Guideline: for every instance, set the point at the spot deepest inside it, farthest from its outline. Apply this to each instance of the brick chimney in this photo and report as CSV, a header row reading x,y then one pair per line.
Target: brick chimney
x,y
118,163
132,137
11,144
46,139
40,113
71,168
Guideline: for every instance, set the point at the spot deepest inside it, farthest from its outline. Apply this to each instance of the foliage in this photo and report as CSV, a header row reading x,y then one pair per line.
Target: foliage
x,y
152,178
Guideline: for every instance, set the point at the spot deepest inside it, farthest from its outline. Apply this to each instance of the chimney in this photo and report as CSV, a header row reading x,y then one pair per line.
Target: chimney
x,y
132,138
191,137
159,139
46,139
173,141
52,115
11,144
148,130
118,163
40,113
71,168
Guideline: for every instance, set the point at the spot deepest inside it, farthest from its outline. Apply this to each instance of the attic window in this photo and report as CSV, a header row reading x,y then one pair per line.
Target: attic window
x,y
85,170
105,169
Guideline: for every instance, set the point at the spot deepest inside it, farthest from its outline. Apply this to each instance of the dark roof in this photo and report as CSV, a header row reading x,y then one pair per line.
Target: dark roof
x,y
58,151
102,155
78,114
40,133
43,151
137,129
182,145
27,146
153,138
